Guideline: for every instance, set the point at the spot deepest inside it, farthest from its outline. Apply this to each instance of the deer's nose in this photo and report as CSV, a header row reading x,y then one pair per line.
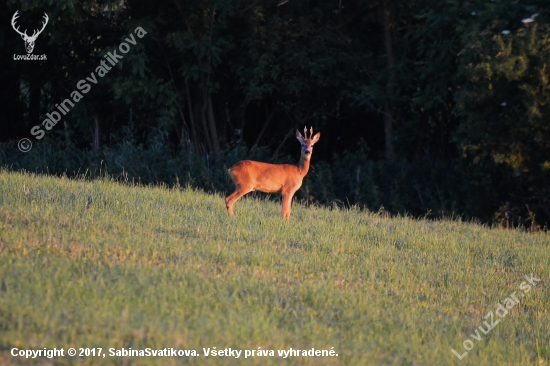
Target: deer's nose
x,y
307,152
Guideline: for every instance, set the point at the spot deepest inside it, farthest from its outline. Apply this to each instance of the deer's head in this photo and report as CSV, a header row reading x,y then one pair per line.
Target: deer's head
x,y
29,40
307,142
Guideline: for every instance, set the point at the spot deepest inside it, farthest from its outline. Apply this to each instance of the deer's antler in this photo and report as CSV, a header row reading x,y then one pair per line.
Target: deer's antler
x,y
36,33
13,19
310,132
24,34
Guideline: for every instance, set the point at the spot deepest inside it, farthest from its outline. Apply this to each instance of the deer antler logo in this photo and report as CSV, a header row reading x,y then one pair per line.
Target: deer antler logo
x,y
29,40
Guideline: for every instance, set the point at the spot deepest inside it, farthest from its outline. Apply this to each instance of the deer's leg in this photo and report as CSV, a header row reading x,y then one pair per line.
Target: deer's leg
x,y
287,203
233,197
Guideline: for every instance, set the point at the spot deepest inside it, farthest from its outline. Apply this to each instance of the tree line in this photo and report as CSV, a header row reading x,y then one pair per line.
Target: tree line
x,y
426,108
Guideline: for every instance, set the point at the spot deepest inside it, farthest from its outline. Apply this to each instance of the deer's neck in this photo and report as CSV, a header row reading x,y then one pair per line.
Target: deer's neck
x,y
303,165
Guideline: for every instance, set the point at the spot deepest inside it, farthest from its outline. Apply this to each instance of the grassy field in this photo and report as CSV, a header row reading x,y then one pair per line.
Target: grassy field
x,y
105,265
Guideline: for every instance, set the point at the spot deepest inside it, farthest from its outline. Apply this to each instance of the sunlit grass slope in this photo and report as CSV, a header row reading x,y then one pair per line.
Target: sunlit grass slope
x,y
100,264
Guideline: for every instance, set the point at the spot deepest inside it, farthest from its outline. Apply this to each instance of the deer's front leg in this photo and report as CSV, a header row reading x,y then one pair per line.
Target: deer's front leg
x,y
287,203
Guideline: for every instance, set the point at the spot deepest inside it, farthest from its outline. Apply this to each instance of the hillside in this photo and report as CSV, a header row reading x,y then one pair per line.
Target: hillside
x,y
106,265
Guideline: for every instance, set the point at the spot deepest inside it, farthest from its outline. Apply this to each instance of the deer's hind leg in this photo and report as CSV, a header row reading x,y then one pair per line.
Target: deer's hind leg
x,y
233,197
243,185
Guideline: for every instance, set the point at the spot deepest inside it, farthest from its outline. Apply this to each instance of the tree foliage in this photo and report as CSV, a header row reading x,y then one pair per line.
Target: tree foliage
x,y
424,106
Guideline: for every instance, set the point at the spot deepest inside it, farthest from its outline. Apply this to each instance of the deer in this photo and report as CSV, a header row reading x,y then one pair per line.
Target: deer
x,y
249,175
29,40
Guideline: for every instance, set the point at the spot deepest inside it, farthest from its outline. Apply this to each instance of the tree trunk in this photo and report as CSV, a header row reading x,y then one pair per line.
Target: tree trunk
x,y
205,128
390,86
203,99
264,128
287,136
212,127
191,118
95,136
241,131
34,102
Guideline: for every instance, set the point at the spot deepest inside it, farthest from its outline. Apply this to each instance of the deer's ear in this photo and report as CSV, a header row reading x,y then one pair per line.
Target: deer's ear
x,y
299,136
316,138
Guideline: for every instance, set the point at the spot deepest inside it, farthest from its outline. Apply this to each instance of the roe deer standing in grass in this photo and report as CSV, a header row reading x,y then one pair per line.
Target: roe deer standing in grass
x,y
251,175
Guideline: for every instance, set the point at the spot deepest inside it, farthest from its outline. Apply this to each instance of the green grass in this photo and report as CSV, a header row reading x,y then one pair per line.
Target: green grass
x,y
100,264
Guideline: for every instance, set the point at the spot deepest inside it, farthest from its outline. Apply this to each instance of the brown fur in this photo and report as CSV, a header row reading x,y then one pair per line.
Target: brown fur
x,y
286,179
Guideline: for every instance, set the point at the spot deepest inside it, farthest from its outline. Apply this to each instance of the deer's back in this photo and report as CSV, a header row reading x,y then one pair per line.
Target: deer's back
x,y
265,177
